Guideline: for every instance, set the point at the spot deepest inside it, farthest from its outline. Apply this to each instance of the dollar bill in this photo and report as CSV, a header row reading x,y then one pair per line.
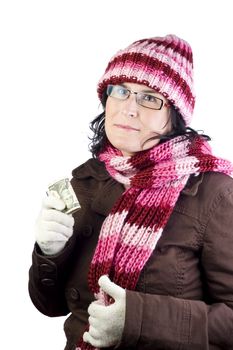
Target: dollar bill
x,y
63,189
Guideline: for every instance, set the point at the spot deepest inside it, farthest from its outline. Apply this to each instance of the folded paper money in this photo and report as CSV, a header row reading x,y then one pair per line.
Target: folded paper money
x,y
63,189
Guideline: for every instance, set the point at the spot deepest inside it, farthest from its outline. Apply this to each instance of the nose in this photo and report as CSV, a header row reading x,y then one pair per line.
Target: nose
x,y
130,107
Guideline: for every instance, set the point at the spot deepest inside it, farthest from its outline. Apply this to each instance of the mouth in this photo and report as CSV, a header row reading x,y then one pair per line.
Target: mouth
x,y
126,127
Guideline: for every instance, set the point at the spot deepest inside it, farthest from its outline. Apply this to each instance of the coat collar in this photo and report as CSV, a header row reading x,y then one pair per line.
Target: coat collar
x,y
108,193
193,184
91,168
107,197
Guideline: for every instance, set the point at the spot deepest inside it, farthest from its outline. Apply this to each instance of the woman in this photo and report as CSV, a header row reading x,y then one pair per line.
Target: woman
x,y
147,261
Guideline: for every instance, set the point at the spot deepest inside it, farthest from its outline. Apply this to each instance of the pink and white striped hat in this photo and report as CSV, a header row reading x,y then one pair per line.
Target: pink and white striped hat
x,y
164,64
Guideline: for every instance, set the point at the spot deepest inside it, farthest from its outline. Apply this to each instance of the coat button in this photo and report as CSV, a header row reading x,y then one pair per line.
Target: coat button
x,y
46,268
87,231
74,294
48,282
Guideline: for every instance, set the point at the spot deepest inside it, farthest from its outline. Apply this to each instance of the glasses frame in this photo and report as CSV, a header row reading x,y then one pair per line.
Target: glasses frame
x,y
111,86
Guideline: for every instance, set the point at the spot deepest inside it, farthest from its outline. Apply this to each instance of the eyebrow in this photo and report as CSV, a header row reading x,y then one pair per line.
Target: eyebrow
x,y
145,91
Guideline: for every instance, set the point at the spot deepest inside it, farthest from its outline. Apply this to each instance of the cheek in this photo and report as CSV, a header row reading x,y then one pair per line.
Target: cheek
x,y
111,107
107,118
160,123
111,115
107,122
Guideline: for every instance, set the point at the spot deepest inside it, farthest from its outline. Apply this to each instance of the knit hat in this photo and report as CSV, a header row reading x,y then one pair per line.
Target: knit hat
x,y
164,64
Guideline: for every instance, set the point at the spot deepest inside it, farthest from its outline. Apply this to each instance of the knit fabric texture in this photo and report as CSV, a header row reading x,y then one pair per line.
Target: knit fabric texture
x,y
164,64
132,229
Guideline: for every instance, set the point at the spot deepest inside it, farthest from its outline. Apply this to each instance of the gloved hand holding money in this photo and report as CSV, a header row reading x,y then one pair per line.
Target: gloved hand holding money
x,y
54,225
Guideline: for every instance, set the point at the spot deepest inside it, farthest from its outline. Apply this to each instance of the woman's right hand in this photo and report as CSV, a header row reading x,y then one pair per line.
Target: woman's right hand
x,y
53,227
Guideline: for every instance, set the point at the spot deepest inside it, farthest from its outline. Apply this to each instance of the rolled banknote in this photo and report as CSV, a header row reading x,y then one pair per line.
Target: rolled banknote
x,y
62,189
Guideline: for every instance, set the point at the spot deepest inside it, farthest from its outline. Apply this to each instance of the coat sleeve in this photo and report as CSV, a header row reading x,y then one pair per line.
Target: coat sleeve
x,y
166,322
47,279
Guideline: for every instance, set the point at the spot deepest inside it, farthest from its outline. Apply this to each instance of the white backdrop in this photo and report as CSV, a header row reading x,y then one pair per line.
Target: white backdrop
x,y
52,55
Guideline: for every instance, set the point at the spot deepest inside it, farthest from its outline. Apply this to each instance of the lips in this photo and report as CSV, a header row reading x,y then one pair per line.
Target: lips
x,y
126,127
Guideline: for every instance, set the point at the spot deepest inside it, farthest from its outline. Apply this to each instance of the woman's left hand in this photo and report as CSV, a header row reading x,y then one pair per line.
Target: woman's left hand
x,y
106,321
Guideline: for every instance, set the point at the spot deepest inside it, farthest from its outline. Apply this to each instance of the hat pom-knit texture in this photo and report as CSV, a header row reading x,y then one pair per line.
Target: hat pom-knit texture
x,y
164,64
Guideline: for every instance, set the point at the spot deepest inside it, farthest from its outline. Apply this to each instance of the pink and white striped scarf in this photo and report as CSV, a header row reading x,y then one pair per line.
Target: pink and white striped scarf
x,y
132,229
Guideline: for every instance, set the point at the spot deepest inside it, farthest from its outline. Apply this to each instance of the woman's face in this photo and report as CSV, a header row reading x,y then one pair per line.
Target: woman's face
x,y
129,125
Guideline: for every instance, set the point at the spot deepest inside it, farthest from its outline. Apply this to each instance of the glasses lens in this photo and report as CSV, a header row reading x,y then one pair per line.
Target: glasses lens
x,y
149,101
118,92
109,90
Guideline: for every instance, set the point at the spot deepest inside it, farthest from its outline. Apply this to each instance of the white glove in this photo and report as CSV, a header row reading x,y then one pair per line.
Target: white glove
x,y
53,228
106,322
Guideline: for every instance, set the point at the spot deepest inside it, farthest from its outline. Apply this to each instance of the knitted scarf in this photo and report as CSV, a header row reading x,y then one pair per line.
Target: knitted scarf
x,y
132,229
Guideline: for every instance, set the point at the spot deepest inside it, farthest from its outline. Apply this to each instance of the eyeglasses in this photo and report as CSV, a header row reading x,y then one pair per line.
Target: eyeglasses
x,y
148,100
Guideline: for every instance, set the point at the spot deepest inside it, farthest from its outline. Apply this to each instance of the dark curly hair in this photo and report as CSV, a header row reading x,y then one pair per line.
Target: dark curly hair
x,y
99,138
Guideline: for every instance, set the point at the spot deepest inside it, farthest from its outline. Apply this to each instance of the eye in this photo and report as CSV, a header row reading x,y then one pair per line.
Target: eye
x,y
121,90
150,98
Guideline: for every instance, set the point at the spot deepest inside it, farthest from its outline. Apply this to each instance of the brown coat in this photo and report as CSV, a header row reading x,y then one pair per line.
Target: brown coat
x,y
184,297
